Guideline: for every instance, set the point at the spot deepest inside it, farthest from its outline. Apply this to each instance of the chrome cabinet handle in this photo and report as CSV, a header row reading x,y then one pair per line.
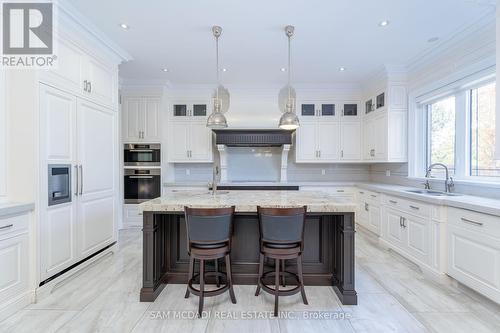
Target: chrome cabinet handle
x,y
90,87
414,207
6,226
76,178
342,153
400,221
340,191
361,192
393,202
404,220
479,224
373,196
141,177
366,206
81,179
319,152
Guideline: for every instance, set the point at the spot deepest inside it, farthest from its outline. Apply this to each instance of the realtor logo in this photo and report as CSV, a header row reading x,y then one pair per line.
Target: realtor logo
x,y
27,38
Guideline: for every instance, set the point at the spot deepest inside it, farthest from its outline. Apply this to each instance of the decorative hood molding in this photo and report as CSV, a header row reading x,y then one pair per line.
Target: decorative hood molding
x,y
253,137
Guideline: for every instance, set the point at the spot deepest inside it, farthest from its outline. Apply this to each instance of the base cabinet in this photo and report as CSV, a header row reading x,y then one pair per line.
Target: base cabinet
x,y
474,251
132,217
15,287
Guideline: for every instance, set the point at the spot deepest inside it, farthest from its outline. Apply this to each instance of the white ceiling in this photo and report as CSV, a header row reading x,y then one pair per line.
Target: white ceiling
x,y
177,34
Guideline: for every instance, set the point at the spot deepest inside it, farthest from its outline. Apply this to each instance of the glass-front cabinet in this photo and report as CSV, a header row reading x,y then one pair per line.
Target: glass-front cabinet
x,y
189,110
318,109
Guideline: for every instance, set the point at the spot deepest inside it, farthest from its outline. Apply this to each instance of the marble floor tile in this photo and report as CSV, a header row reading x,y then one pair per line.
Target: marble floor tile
x,y
454,322
153,322
30,321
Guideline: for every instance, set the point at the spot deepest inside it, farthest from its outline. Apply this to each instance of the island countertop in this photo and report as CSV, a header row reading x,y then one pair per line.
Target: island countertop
x,y
247,201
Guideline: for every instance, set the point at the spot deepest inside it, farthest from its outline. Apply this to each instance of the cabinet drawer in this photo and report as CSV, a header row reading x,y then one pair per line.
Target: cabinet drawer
x,y
13,225
474,221
132,212
373,197
408,206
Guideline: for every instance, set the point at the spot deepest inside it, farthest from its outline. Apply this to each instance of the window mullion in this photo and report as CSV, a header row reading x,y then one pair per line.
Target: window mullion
x,y
461,137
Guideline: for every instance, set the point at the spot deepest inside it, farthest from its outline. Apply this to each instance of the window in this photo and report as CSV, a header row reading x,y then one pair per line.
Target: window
x,y
460,133
482,132
441,133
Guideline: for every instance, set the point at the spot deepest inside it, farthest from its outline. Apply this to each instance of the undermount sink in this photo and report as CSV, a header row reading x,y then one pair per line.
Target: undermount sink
x,y
433,193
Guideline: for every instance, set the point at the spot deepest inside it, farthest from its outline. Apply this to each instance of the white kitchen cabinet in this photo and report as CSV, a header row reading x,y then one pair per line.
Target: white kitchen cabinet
x,y
197,110
395,232
141,119
350,140
374,218
3,137
15,256
189,142
329,132
474,251
131,216
369,210
83,134
97,154
83,74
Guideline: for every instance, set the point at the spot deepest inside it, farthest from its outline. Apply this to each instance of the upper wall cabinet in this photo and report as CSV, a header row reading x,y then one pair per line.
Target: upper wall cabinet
x,y
83,74
329,132
141,119
182,110
385,125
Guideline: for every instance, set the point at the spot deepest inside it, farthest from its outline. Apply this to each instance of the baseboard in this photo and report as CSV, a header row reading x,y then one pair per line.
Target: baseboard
x,y
10,307
46,289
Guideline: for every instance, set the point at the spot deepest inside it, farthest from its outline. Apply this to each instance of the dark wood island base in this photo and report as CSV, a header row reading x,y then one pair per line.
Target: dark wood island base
x,y
328,257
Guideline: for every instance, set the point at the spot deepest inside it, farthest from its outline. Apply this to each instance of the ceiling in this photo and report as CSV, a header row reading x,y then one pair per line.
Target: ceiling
x,y
177,35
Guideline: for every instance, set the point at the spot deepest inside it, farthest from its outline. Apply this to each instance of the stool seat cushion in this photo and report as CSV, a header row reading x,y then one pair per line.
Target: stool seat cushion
x,y
281,245
209,246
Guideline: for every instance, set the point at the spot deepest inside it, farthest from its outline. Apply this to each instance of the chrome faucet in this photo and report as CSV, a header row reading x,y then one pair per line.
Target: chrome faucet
x,y
448,183
215,174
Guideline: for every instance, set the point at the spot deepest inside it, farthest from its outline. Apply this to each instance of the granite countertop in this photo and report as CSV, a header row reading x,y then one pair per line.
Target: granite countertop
x,y
13,208
247,201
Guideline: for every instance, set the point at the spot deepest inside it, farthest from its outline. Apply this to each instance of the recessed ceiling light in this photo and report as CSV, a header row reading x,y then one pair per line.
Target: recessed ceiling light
x,y
164,69
383,23
124,26
224,70
433,39
283,69
341,69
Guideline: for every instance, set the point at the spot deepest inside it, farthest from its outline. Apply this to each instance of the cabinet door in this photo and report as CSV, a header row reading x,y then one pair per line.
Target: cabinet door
x,y
58,241
103,86
379,137
200,142
350,140
306,142
132,119
198,110
308,110
178,143
152,119
58,125
98,157
395,231
14,266
350,110
417,238
374,219
328,110
368,137
68,72
329,141
179,110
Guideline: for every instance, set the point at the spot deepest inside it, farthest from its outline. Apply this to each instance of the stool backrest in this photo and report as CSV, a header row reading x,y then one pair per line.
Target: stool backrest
x,y
209,225
282,225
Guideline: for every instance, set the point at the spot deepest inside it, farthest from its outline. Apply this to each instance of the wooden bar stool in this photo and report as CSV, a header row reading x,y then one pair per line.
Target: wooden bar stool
x,y
209,238
281,238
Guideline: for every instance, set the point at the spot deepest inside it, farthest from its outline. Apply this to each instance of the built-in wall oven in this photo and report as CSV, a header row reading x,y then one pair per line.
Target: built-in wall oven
x,y
141,185
142,154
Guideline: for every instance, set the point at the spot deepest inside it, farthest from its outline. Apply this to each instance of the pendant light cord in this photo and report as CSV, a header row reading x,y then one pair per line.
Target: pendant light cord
x,y
217,65
289,70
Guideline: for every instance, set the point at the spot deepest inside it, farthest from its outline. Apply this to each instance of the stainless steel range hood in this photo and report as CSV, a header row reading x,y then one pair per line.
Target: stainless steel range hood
x,y
253,137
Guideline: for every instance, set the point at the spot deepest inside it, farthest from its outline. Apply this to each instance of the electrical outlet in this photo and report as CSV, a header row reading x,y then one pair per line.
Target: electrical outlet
x,y
323,172
188,172
387,173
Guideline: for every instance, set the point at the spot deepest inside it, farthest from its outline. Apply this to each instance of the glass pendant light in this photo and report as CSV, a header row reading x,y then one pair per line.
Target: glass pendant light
x,y
289,119
217,118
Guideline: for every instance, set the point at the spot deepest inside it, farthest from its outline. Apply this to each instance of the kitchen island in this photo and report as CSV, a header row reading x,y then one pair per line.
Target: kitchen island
x,y
328,257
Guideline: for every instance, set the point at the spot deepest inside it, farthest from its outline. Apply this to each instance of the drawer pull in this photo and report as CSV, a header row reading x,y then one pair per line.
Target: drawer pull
x,y
360,192
479,224
393,201
414,207
373,196
340,191
6,226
